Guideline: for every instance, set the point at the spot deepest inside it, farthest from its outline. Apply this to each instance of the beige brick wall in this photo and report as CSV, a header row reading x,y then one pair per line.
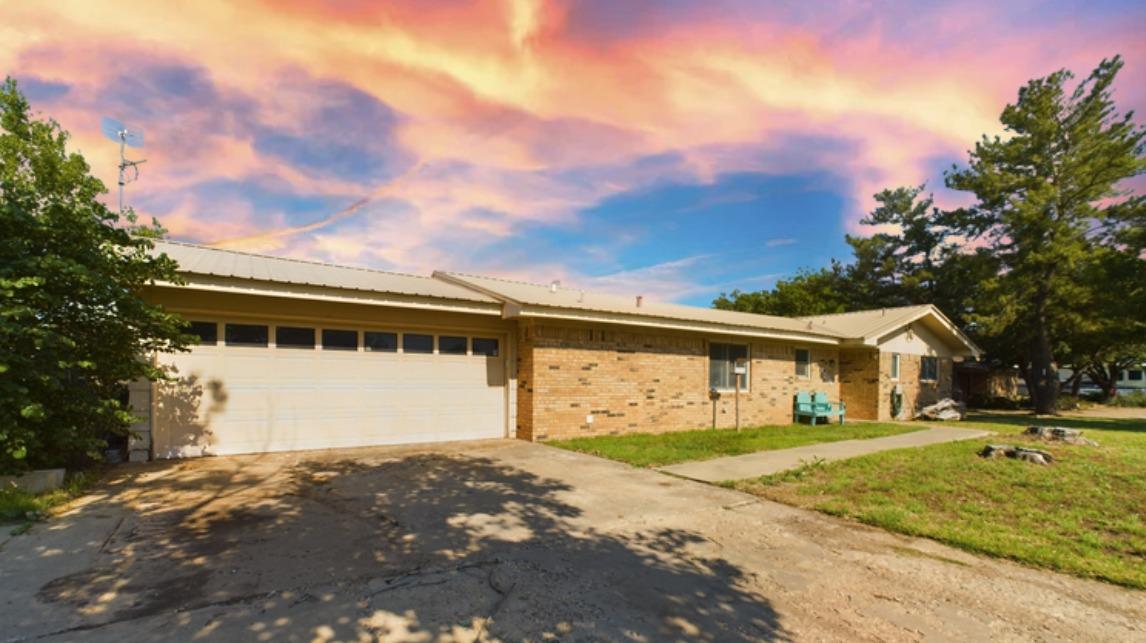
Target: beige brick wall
x,y
866,384
647,381
859,382
916,393
524,382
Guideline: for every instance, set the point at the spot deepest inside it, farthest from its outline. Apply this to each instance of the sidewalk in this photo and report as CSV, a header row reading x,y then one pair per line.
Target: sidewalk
x,y
762,463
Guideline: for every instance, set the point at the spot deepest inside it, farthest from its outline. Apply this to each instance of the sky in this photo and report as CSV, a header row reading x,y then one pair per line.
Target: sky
x,y
671,149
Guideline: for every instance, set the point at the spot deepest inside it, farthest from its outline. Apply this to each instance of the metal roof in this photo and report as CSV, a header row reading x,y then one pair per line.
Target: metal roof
x,y
528,294
201,260
869,323
547,300
874,324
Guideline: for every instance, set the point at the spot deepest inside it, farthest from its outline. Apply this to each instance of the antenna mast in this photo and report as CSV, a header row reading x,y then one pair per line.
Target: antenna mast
x,y
117,131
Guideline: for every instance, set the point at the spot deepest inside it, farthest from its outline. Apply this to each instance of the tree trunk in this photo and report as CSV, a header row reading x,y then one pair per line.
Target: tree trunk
x,y
1025,374
1111,388
1097,373
1044,372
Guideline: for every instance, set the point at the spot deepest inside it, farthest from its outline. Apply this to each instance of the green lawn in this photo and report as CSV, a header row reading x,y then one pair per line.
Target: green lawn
x,y
1085,514
649,450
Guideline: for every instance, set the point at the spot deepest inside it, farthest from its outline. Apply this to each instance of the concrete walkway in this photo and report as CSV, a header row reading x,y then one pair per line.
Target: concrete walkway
x,y
762,463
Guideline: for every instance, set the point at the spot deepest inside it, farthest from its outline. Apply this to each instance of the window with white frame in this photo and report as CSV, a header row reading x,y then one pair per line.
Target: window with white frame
x,y
929,369
803,363
722,365
895,366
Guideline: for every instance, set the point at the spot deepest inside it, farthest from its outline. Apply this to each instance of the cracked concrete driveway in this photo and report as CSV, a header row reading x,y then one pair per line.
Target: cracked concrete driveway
x,y
502,540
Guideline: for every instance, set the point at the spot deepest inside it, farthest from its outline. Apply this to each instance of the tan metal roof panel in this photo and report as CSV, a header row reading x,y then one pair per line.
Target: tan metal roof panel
x,y
868,323
201,260
575,299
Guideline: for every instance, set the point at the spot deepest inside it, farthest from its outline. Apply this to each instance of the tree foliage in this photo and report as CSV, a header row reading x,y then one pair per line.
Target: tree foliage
x,y
1047,267
1043,211
73,326
807,293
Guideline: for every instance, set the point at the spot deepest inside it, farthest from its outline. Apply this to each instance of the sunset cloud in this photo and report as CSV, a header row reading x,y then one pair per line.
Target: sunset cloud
x,y
546,139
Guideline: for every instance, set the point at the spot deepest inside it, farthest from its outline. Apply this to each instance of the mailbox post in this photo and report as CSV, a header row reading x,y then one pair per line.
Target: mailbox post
x,y
741,369
713,395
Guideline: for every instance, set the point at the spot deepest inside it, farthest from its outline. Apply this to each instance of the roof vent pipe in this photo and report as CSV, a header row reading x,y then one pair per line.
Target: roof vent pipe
x,y
554,285
640,298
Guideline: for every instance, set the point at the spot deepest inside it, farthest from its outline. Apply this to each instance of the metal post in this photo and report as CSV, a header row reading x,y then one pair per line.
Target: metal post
x,y
738,402
122,166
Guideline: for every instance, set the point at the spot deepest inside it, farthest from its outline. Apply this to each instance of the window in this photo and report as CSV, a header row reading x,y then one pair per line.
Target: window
x,y
485,346
294,337
803,363
448,345
208,332
895,366
380,342
722,363
339,340
929,369
1135,376
412,343
245,335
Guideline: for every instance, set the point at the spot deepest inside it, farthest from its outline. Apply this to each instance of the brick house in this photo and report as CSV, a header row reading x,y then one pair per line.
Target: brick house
x,y
303,355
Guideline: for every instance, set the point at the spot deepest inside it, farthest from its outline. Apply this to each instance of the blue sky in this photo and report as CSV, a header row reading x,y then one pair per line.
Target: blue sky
x,y
672,149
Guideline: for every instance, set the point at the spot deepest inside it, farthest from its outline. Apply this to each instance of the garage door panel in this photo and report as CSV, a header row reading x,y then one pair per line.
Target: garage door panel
x,y
241,400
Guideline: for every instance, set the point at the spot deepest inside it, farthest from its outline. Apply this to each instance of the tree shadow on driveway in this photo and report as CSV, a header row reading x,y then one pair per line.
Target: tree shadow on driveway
x,y
427,546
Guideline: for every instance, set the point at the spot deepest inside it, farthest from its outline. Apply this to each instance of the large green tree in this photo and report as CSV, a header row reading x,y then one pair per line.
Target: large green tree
x,y
1045,191
819,292
73,325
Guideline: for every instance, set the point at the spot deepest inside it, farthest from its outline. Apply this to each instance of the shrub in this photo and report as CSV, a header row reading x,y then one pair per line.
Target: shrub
x,y
1136,399
72,322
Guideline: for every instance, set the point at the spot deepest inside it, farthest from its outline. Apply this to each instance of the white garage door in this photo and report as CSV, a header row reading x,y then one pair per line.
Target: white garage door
x,y
250,388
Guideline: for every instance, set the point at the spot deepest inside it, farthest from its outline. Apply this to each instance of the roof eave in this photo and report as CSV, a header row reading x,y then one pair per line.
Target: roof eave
x,y
567,314
245,286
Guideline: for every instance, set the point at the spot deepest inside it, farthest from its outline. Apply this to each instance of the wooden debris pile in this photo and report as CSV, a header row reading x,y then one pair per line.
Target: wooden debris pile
x,y
1034,456
1059,434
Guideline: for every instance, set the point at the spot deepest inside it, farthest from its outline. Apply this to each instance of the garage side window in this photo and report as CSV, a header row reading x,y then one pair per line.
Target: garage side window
x,y
377,342
414,343
339,340
895,366
929,369
246,335
207,332
294,337
722,364
485,346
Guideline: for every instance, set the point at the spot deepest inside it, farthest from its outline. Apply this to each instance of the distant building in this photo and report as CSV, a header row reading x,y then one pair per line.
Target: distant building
x,y
1130,380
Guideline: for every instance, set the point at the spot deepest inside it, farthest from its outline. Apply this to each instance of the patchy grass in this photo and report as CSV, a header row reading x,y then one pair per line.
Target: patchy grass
x,y
1084,515
648,450
20,506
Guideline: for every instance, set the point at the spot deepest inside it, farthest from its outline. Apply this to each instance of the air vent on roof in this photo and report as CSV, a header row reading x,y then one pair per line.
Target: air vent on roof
x,y
639,299
554,285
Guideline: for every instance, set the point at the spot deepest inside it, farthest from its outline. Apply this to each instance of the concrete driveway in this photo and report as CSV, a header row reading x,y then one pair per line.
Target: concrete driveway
x,y
502,540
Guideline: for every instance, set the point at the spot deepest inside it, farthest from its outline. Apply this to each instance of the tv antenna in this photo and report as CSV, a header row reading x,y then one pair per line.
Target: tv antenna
x,y
126,137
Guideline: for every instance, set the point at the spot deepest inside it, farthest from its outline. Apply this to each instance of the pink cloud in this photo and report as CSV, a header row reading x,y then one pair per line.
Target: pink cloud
x,y
512,114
